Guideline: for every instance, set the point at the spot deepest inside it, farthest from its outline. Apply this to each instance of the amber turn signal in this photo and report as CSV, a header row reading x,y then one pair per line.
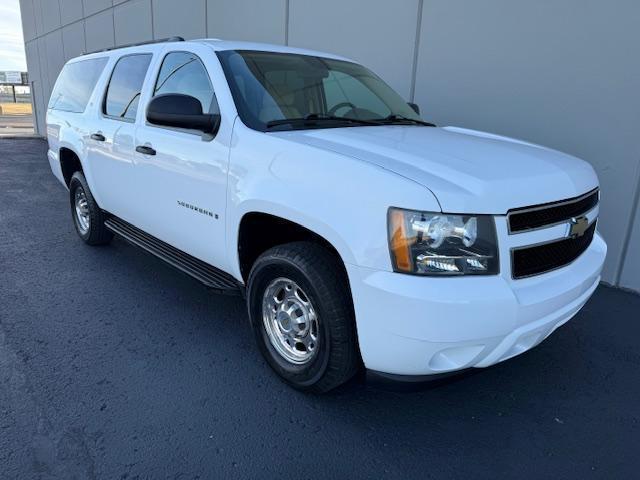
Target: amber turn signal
x,y
400,243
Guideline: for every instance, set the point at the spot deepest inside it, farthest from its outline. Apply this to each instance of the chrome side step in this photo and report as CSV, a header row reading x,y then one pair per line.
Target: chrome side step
x,y
207,274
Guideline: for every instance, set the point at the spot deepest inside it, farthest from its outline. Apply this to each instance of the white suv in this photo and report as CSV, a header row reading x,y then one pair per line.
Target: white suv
x,y
359,233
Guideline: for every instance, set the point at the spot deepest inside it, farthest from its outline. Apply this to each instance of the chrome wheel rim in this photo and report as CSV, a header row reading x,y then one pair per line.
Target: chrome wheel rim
x,y
290,321
83,219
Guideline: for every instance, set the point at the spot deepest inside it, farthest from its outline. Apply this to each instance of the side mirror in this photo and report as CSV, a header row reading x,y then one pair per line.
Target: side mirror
x,y
415,107
182,111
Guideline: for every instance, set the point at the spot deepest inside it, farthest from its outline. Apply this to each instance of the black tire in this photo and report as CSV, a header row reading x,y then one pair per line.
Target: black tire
x,y
97,233
321,276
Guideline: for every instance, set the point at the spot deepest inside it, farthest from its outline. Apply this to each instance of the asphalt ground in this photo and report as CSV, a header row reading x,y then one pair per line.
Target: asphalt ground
x,y
114,365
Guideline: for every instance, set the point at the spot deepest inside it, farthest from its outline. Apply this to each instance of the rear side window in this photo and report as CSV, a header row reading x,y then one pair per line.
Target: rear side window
x,y
123,92
75,85
183,72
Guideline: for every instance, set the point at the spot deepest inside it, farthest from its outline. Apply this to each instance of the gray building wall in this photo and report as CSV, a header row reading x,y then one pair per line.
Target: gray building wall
x,y
562,74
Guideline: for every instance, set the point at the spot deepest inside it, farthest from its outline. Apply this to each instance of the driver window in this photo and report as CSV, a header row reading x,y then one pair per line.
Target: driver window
x,y
183,72
341,88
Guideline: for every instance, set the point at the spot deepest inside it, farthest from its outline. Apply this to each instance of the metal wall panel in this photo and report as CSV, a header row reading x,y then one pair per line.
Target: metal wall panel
x,y
43,88
186,18
99,31
73,40
37,11
228,19
70,11
94,6
28,20
55,58
132,21
37,98
50,15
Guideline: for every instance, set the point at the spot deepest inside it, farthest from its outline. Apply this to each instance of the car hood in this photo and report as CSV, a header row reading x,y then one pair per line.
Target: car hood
x,y
467,171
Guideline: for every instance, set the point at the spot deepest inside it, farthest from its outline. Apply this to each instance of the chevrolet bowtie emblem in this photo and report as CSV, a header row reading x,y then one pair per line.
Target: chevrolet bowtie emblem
x,y
577,226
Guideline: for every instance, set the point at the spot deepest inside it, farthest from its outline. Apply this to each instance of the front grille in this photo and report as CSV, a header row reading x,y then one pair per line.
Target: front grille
x,y
528,261
530,218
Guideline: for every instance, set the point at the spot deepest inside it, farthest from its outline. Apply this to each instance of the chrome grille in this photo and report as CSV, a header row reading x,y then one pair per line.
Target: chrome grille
x,y
537,259
545,215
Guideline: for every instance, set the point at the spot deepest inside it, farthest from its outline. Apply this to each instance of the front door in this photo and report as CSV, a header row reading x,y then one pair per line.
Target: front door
x,y
182,174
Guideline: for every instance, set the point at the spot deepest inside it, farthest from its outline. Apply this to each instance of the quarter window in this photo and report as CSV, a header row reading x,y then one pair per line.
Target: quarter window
x,y
123,93
183,72
75,85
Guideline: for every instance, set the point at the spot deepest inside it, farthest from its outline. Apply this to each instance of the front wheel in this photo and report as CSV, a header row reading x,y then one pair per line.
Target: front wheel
x,y
302,316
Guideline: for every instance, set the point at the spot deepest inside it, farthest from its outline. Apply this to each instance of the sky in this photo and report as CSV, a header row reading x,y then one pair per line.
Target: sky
x,y
11,39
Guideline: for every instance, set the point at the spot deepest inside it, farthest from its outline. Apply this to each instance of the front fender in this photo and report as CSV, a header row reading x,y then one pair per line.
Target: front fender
x,y
342,199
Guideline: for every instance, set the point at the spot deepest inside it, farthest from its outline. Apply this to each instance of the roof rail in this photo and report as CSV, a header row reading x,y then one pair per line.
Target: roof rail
x,y
148,42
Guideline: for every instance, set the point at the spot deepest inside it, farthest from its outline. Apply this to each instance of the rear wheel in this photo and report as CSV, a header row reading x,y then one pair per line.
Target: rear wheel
x,y
302,316
88,218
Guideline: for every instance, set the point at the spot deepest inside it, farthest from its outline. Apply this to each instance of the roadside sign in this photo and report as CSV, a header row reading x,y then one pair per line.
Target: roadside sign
x,y
13,78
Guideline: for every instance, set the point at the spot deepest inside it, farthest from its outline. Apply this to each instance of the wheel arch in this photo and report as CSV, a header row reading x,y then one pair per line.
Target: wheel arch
x,y
248,244
69,163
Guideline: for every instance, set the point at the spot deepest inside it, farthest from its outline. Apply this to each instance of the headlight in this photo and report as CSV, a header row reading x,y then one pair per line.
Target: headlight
x,y
440,244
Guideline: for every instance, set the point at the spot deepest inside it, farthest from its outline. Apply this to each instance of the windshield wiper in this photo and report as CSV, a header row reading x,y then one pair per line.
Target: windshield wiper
x,y
315,118
399,119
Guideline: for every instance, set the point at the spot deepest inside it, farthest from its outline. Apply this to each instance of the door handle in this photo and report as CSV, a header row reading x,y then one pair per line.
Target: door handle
x,y
145,150
98,136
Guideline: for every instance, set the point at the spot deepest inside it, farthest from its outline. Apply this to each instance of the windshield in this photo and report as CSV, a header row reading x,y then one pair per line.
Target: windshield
x,y
284,91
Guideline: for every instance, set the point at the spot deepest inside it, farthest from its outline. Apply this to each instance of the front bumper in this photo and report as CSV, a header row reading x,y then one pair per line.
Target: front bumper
x,y
411,325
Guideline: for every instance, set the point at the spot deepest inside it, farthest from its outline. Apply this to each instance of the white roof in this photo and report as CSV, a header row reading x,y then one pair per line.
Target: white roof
x,y
217,45
220,45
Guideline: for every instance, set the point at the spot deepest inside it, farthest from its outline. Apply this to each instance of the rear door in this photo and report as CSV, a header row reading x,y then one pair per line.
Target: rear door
x,y
111,139
184,181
